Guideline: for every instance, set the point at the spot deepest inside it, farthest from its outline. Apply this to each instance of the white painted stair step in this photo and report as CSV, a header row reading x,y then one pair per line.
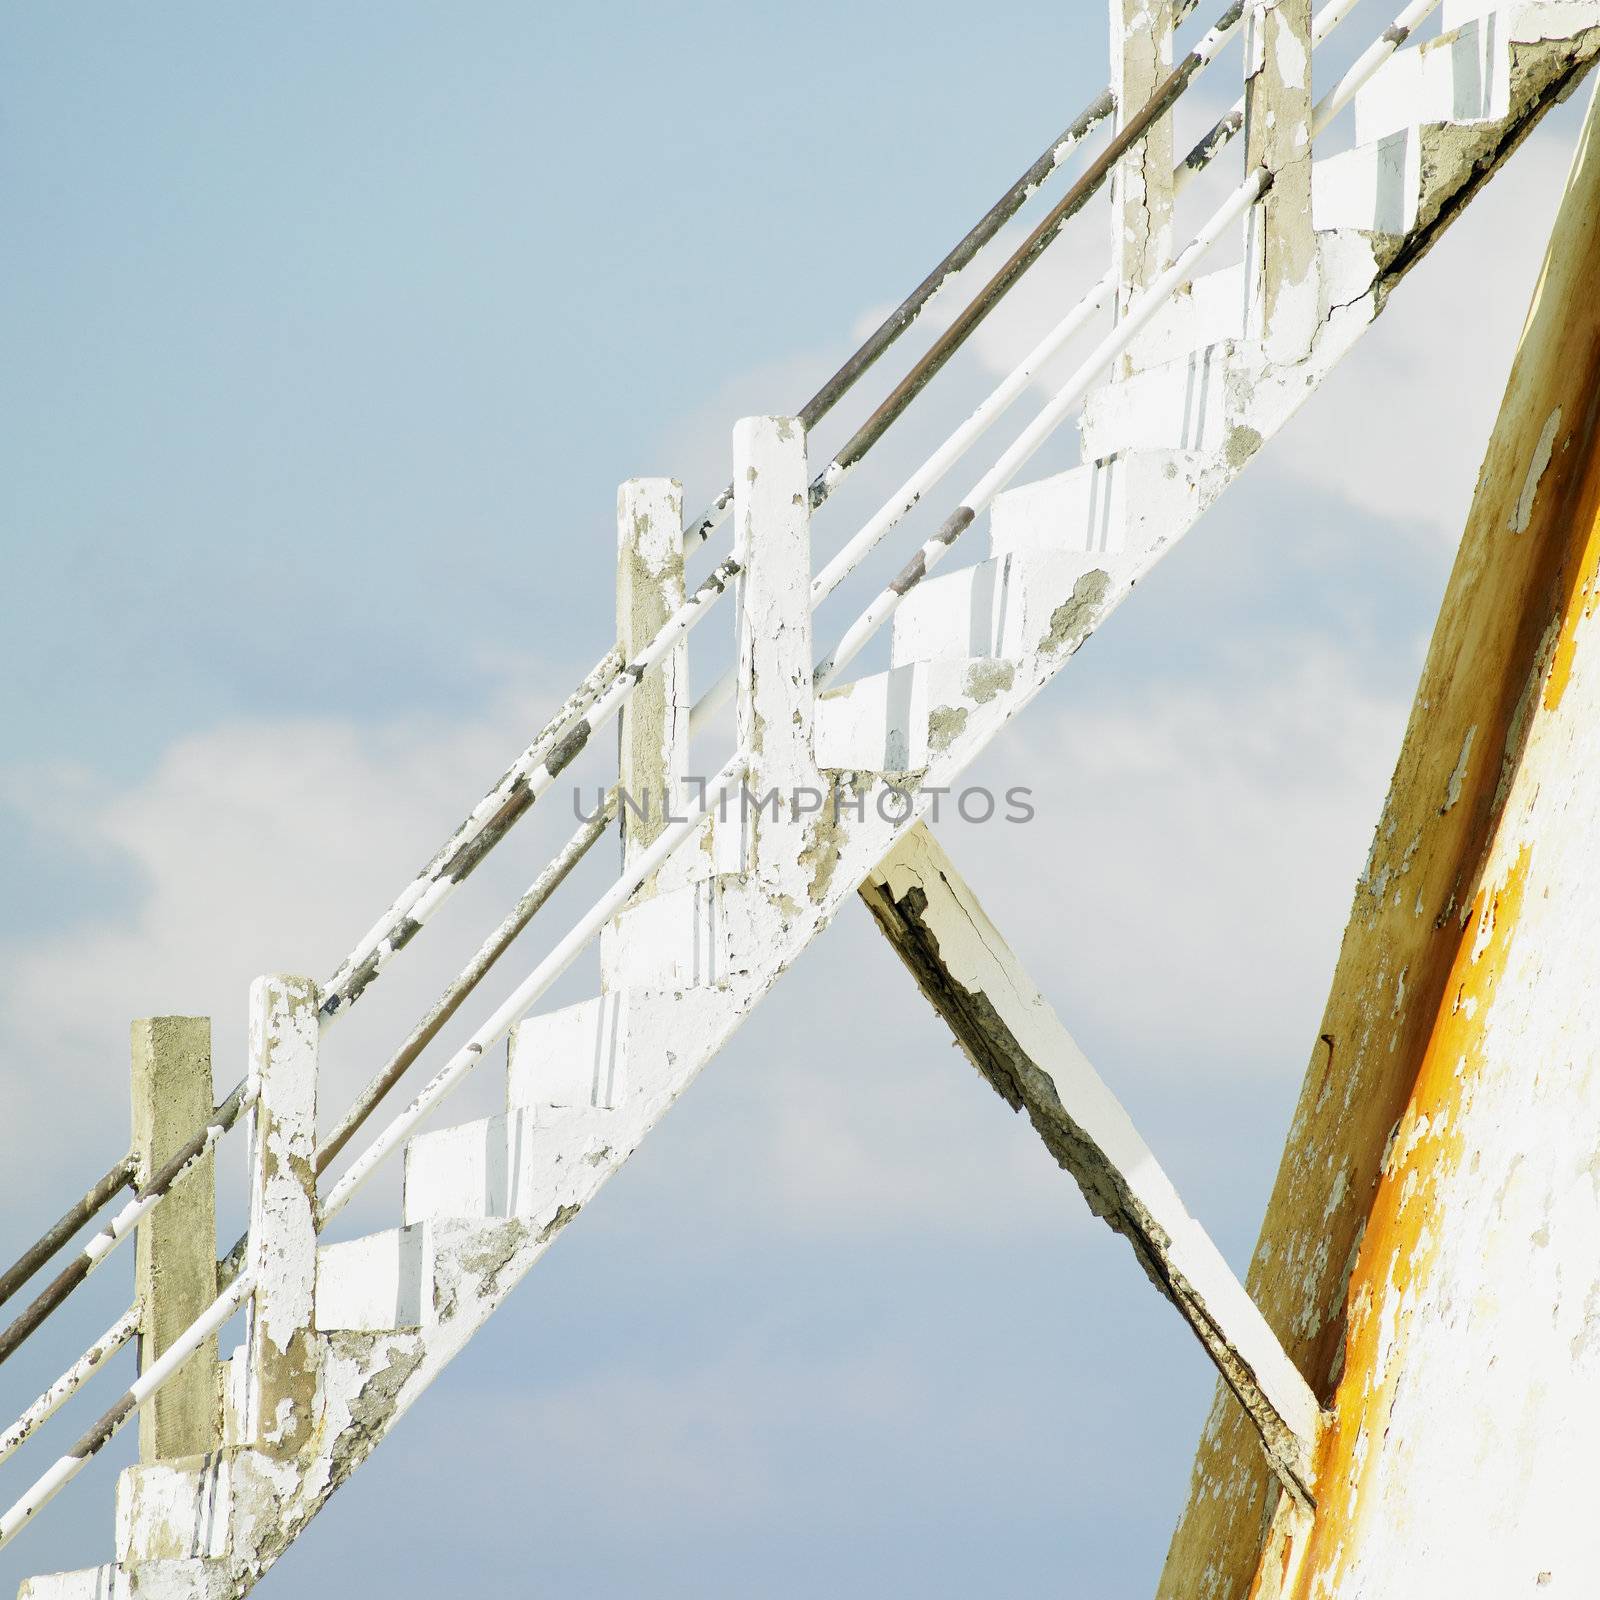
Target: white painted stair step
x,y
1528,19
1006,606
1374,187
376,1284
1463,75
572,1057
576,1081
391,1282
147,1580
86,1583
1124,501
1206,311
594,1055
1176,405
516,1164
896,721
675,939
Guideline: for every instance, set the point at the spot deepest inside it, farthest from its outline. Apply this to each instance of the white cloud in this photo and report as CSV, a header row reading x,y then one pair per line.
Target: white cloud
x,y
1191,866
257,846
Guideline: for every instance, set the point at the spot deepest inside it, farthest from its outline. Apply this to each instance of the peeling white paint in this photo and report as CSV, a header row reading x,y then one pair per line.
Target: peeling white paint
x,y
1542,452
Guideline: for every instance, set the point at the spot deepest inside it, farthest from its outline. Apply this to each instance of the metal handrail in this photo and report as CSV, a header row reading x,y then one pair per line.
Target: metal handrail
x,y
565,731
607,689
70,1381
124,1222
1132,321
118,1176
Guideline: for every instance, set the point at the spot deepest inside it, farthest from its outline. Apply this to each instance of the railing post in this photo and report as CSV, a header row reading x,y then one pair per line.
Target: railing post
x,y
653,729
175,1249
1280,248
774,696
1141,185
282,1253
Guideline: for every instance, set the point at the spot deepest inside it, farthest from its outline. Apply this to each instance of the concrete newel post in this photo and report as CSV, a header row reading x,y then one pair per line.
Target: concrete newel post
x,y
282,1253
653,728
175,1247
1280,247
1141,185
775,701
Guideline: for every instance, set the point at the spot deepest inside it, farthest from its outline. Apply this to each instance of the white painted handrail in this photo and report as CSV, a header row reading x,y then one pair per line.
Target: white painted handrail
x,y
70,1381
65,1468
1368,62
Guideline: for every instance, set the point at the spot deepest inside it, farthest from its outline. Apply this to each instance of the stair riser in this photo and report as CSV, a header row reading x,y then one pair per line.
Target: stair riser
x,y
1211,309
508,1166
1003,607
1523,22
1180,406
1375,188
167,1512
147,1580
571,1057
899,721
377,1283
1121,503
1462,76
676,939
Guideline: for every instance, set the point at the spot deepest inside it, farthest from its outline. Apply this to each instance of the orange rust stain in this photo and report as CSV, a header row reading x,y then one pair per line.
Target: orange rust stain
x,y
1584,590
1398,1251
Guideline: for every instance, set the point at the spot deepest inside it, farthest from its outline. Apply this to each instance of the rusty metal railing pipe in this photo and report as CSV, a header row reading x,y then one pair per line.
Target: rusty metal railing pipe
x,y
1167,94
123,1223
118,1176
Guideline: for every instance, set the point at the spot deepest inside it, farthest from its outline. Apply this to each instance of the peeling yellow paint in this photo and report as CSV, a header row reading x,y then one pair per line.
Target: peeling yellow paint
x,y
1398,1250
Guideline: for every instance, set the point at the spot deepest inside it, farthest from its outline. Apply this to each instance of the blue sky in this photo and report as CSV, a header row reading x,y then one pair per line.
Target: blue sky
x,y
330,332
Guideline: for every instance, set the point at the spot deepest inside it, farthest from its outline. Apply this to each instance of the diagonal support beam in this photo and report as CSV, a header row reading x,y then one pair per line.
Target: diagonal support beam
x,y
1012,1037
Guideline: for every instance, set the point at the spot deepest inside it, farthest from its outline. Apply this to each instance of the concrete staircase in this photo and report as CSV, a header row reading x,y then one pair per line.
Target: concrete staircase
x,y
1198,397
